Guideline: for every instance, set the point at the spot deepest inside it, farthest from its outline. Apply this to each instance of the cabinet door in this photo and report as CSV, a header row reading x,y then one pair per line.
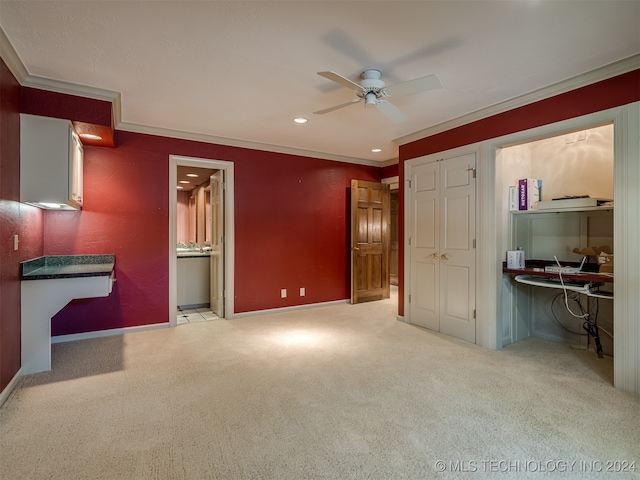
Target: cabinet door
x,y
76,168
51,157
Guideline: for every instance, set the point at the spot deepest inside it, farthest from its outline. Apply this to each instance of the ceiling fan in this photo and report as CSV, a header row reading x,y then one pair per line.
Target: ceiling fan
x,y
373,91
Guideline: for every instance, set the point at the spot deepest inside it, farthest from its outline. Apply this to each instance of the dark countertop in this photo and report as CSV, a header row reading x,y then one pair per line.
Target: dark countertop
x,y
536,267
194,255
67,266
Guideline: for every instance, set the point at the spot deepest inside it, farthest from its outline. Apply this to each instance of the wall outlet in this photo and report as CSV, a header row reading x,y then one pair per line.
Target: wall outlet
x,y
283,293
302,292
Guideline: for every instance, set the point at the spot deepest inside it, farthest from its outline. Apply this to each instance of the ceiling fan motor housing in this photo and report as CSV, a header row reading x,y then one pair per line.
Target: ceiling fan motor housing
x,y
372,86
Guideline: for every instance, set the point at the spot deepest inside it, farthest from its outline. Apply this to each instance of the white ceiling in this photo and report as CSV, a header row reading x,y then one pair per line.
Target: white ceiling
x,y
244,70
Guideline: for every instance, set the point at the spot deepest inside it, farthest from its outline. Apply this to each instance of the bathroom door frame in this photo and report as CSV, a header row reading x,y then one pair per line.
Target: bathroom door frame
x,y
174,161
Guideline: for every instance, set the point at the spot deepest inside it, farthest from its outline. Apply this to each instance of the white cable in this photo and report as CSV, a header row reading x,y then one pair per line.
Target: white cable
x,y
566,298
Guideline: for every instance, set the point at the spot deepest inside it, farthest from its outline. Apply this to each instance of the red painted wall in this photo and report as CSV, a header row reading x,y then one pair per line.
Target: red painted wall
x,y
610,93
15,219
291,228
51,104
390,171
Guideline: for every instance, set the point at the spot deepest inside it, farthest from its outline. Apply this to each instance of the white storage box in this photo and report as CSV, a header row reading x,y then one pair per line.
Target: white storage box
x,y
515,259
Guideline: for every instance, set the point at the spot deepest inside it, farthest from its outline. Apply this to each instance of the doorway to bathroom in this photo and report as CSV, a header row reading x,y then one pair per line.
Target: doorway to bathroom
x,y
200,238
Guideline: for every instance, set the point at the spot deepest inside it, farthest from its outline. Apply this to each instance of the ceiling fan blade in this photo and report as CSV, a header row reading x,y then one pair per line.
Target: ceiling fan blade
x,y
345,82
392,112
336,107
430,82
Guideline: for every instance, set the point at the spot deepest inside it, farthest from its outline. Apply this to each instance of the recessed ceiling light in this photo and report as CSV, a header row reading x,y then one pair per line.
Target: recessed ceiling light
x,y
183,181
192,174
300,120
90,136
179,187
376,150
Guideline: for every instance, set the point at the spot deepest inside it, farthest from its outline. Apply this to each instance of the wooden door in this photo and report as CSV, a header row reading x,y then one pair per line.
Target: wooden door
x,y
217,243
370,240
442,246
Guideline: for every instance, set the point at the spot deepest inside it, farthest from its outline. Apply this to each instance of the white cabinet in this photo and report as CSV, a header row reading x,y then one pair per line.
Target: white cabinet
x,y
193,281
442,247
51,159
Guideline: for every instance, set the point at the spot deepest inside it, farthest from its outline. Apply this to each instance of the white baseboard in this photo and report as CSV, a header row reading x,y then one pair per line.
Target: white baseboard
x,y
401,318
9,388
107,333
289,309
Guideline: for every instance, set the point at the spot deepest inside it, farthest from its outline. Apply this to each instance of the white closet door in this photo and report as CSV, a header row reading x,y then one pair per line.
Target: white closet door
x,y
457,253
425,271
442,251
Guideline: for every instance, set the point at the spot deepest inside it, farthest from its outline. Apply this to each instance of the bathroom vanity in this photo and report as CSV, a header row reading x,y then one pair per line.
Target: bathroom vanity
x,y
194,272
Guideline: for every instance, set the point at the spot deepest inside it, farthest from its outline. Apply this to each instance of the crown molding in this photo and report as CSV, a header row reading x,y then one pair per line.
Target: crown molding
x,y
24,78
232,142
70,88
608,71
11,58
391,161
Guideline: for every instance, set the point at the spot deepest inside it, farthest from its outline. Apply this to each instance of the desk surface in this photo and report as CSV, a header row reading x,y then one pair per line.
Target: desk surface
x,y
586,288
67,266
536,268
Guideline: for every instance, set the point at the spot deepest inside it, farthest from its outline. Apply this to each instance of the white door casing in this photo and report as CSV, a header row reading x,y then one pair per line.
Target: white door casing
x,y
217,243
229,229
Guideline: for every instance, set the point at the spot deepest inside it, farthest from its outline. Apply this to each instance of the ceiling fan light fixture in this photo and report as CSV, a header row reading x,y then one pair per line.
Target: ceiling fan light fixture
x,y
370,99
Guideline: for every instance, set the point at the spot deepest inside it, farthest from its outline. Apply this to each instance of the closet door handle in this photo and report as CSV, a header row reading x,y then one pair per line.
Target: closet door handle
x,y
444,256
434,256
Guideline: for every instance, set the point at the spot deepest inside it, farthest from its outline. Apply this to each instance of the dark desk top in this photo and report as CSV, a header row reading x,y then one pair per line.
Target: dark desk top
x,y
536,267
67,266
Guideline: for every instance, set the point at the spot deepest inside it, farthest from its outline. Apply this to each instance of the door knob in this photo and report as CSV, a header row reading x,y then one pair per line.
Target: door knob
x,y
444,256
434,255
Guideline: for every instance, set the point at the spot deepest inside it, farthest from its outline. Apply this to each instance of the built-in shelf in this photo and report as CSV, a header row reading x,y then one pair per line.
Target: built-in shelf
x,y
563,210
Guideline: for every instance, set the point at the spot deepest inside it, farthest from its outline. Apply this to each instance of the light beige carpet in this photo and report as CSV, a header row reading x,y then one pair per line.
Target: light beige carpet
x,y
341,392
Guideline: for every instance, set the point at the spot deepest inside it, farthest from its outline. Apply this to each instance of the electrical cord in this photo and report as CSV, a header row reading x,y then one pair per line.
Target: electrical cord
x,y
557,320
566,299
596,302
